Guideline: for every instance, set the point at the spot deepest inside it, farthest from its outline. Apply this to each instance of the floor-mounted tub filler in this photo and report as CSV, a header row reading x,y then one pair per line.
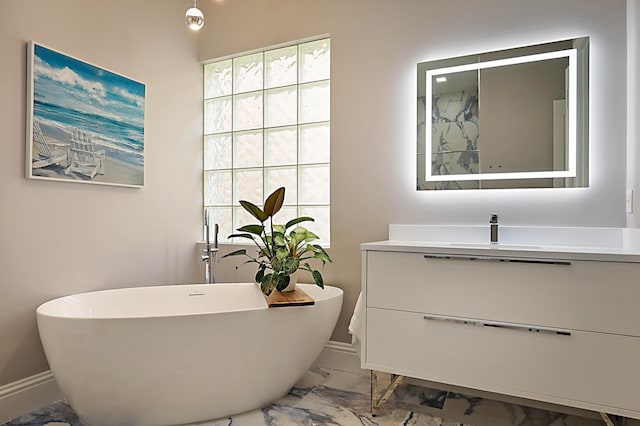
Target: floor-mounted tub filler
x,y
169,355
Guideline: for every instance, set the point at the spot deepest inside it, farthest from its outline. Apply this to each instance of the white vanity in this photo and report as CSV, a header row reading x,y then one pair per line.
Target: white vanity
x,y
550,314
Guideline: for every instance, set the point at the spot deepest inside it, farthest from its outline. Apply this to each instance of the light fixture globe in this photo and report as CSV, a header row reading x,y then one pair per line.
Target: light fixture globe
x,y
195,18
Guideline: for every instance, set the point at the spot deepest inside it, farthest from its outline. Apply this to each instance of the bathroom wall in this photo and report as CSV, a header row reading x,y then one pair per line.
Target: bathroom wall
x,y
59,238
633,111
375,47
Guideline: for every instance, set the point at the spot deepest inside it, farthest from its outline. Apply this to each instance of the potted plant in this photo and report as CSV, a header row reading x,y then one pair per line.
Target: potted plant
x,y
281,252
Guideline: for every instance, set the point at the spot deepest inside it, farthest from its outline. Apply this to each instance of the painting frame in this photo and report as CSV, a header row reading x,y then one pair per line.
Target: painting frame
x,y
84,123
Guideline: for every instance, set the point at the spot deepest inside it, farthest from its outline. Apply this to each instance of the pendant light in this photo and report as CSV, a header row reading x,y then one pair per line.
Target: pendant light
x,y
194,16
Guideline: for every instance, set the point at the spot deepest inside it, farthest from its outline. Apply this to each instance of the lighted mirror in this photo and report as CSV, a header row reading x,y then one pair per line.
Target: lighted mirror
x,y
514,118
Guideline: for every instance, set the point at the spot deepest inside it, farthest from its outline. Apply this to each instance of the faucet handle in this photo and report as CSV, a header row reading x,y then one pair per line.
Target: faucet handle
x,y
203,259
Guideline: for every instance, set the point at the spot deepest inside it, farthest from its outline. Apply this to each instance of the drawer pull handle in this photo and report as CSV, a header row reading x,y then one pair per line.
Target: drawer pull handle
x,y
498,259
510,326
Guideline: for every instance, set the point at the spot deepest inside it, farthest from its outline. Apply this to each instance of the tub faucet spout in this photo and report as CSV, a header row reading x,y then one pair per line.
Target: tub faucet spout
x,y
210,256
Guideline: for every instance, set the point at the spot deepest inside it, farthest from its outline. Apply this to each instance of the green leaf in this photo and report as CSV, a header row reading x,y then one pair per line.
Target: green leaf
x,y
269,282
282,254
298,220
320,253
248,236
235,253
278,228
265,284
273,203
278,239
260,273
254,210
277,263
317,277
254,229
250,260
298,235
283,282
311,237
291,265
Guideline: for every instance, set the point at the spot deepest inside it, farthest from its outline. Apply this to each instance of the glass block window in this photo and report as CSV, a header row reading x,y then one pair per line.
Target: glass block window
x,y
266,125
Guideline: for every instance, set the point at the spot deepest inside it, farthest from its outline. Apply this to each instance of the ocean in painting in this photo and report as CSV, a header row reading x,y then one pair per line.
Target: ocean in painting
x,y
70,95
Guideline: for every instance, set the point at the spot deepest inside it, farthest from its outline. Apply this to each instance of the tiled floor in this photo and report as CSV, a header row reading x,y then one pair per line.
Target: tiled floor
x,y
330,397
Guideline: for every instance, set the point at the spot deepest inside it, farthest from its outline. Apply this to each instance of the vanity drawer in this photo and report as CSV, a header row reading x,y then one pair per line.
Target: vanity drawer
x,y
579,369
584,295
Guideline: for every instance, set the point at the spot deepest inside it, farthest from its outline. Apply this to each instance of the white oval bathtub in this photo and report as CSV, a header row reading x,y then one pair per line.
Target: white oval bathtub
x,y
170,355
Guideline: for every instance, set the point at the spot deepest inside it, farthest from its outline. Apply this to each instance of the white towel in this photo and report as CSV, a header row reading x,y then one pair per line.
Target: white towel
x,y
355,326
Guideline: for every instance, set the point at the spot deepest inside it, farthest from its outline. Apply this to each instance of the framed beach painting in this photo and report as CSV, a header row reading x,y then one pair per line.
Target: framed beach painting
x,y
84,123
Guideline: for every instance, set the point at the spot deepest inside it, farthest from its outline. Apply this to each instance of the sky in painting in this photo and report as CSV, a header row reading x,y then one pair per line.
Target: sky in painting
x,y
77,85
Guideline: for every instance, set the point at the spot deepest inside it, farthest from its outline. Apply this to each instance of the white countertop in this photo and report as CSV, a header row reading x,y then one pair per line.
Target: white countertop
x,y
553,243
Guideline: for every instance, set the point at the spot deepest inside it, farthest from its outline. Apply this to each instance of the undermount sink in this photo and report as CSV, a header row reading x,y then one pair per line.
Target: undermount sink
x,y
496,245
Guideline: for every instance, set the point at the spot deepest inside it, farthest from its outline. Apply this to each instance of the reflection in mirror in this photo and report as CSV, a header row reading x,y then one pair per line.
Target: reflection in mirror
x,y
515,118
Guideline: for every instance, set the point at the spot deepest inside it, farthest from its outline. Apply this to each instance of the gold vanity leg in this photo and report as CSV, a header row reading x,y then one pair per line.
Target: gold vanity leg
x,y
374,392
607,420
375,402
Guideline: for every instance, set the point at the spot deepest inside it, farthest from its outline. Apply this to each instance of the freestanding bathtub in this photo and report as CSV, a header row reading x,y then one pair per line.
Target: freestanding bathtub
x,y
169,355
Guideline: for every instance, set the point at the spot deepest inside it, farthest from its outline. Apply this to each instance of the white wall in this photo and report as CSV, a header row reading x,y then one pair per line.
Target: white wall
x,y
375,47
633,110
62,238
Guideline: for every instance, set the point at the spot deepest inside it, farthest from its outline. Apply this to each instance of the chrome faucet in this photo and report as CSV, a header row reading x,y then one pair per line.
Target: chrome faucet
x,y
494,228
210,256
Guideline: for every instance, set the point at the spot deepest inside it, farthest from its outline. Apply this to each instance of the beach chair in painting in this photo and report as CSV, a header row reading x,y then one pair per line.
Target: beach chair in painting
x,y
48,152
84,158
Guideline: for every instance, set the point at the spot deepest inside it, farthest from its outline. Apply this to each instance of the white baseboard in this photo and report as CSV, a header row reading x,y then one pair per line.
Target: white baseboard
x,y
28,394
340,356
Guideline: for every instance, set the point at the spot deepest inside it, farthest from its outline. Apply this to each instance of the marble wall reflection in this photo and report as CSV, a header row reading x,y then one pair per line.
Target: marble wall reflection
x,y
455,132
455,135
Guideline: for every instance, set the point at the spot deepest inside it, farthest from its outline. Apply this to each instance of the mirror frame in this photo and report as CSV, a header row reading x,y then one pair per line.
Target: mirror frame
x,y
575,84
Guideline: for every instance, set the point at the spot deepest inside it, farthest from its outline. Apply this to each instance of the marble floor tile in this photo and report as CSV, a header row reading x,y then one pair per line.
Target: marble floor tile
x,y
343,406
56,414
360,383
313,377
485,412
251,418
330,406
417,396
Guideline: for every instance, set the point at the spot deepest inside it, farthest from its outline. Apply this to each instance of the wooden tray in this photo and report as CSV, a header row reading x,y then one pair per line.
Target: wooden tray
x,y
297,297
